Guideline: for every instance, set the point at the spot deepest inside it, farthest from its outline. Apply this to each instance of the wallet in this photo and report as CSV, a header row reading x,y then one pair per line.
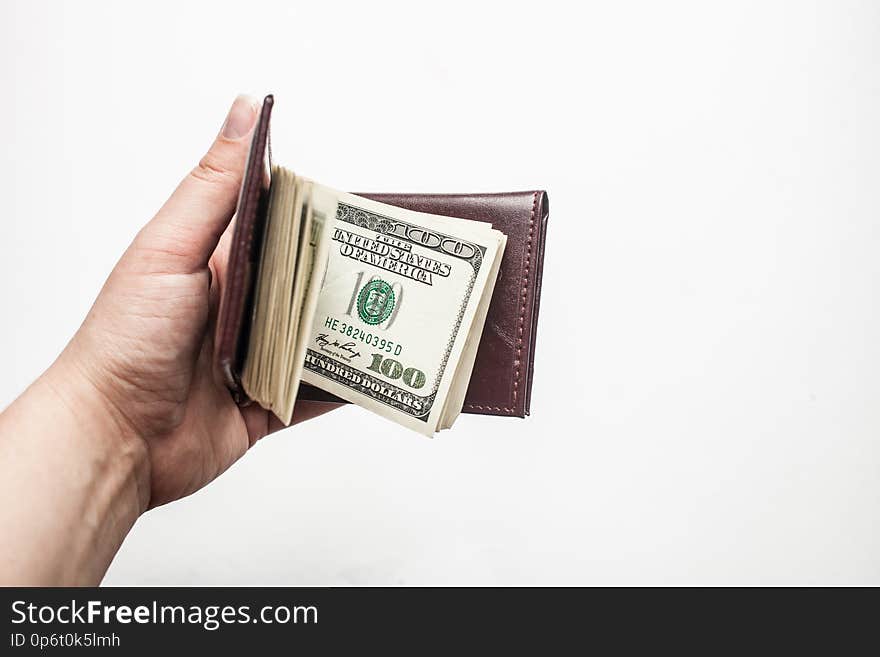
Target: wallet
x,y
501,382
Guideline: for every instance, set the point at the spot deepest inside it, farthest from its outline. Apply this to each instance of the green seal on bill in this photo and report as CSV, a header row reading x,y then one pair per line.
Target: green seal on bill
x,y
375,302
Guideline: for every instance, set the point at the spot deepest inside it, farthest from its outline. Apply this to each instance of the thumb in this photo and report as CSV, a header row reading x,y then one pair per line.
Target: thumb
x,y
184,233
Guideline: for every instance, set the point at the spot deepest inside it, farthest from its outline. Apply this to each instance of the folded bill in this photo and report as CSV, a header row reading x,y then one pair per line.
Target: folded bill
x,y
384,307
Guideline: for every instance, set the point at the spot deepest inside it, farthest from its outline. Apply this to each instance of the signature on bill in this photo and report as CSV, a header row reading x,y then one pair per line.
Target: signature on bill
x,y
323,341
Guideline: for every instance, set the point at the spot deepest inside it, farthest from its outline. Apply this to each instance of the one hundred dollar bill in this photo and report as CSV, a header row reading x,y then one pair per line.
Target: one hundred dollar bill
x,y
400,310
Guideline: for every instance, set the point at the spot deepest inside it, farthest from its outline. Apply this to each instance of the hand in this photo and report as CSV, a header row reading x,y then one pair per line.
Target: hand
x,y
132,414
146,347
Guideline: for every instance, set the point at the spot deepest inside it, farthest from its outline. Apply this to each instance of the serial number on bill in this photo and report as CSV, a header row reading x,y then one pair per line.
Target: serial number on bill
x,y
356,333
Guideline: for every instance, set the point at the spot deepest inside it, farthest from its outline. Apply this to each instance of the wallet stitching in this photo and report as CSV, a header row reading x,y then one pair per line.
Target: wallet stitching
x,y
522,316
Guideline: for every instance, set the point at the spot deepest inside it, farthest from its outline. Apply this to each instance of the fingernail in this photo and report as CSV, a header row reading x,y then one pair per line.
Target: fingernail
x,y
241,118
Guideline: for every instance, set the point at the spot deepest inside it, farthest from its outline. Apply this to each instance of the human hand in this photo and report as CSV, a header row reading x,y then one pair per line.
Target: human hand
x,y
144,353
132,414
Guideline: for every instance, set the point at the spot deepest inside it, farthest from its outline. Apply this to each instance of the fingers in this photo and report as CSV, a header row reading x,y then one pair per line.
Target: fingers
x,y
307,410
185,231
260,423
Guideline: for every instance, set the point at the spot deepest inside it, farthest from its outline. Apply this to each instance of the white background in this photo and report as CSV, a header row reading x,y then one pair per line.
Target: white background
x,y
705,406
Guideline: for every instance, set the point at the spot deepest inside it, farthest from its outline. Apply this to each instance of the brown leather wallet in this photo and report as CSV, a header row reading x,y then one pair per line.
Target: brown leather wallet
x,y
501,383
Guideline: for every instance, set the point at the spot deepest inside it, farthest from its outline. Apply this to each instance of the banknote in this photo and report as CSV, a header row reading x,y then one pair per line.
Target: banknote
x,y
400,310
293,255
376,304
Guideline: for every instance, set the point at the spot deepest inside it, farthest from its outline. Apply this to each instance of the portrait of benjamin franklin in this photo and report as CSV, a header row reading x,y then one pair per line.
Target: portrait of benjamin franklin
x,y
376,301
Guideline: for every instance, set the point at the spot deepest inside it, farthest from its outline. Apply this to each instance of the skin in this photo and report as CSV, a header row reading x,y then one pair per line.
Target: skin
x,y
132,414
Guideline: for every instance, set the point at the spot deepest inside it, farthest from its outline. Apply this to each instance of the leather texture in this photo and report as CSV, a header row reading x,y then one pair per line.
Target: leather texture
x,y
233,325
501,382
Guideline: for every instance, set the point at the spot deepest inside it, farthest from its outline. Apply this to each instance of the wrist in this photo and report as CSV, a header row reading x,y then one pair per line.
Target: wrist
x,y
101,425
84,474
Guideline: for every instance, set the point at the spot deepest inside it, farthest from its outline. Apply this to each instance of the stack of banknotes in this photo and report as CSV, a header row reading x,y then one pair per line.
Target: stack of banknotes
x,y
381,306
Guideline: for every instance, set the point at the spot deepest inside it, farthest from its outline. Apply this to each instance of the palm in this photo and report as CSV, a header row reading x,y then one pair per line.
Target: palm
x,y
150,335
